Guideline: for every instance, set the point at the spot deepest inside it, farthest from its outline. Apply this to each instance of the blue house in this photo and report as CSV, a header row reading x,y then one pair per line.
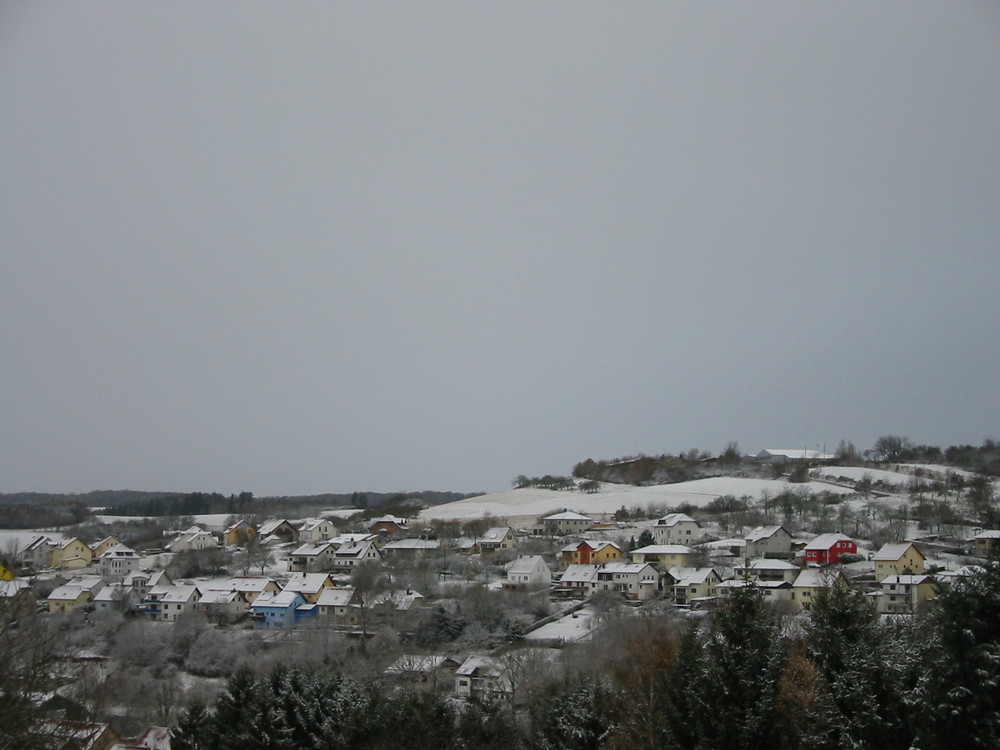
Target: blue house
x,y
276,609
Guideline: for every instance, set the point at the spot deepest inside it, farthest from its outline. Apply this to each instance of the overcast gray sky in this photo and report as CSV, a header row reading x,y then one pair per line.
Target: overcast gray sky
x,y
295,248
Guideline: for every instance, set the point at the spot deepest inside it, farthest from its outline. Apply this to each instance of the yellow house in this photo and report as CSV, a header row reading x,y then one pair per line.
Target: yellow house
x,y
589,553
240,534
309,585
986,544
664,556
694,583
902,558
103,546
72,553
68,597
810,582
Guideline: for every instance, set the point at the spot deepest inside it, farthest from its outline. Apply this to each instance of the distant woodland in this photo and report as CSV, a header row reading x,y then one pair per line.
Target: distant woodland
x,y
24,510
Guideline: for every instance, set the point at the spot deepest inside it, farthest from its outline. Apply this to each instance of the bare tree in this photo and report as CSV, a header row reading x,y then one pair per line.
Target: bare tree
x,y
32,664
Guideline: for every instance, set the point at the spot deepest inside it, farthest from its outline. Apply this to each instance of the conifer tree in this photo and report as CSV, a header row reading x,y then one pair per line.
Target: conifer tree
x,y
744,659
958,699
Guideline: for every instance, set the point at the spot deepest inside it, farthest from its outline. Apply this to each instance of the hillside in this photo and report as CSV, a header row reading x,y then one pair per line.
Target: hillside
x,y
531,501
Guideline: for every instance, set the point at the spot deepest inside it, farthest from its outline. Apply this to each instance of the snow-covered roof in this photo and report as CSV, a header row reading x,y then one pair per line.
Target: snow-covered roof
x,y
310,524
339,596
478,665
763,532
594,544
269,527
423,663
495,534
692,576
738,583
908,580
219,596
663,549
579,574
68,592
766,563
178,594
567,515
118,551
36,542
894,551
411,544
815,578
310,549
826,541
624,567
672,519
353,549
10,589
307,582
284,598
988,534
527,564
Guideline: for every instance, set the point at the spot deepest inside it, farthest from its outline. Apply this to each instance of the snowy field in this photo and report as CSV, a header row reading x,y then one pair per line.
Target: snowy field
x,y
531,501
11,538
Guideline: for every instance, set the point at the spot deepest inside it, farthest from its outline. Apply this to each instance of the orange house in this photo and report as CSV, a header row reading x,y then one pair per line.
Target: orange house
x,y
589,553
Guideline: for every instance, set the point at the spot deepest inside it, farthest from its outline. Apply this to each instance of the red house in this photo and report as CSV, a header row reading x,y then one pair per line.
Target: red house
x,y
828,548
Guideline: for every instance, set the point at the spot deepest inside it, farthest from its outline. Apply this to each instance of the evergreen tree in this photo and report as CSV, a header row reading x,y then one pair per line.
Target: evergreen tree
x,y
681,691
193,728
486,726
235,711
865,665
577,716
958,700
744,659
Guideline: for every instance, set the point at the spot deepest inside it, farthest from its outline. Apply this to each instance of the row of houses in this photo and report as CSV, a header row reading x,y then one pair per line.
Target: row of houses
x,y
111,557
264,601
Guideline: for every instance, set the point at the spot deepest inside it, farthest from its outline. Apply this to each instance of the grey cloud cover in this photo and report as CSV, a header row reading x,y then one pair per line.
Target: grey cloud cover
x,y
331,246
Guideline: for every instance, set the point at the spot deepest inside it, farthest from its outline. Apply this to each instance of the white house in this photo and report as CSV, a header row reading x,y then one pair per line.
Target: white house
x,y
37,553
529,572
118,561
351,554
566,522
312,557
167,603
762,570
637,581
316,530
481,677
195,538
675,528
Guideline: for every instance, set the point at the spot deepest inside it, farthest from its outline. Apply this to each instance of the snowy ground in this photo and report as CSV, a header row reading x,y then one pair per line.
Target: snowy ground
x,y
854,473
532,501
571,628
9,538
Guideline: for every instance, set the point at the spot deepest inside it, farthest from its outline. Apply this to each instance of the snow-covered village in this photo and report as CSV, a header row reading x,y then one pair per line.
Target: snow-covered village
x,y
790,598
438,375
